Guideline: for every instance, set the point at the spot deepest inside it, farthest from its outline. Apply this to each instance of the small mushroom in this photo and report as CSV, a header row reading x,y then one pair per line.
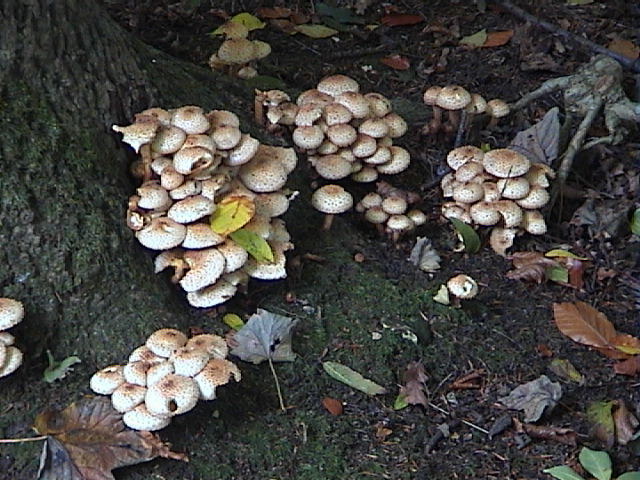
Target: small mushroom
x,y
105,381
496,109
173,395
140,419
164,341
462,286
331,200
11,313
217,372
453,99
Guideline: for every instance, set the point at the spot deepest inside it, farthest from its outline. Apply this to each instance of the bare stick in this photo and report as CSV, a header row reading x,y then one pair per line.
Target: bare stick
x,y
23,440
469,424
633,65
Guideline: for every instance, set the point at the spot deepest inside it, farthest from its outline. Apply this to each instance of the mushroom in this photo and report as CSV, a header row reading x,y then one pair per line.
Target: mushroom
x,y
169,139
141,132
462,286
161,234
11,313
379,105
331,200
429,98
269,270
188,361
263,174
332,167
505,163
127,396
191,119
164,341
335,85
501,239
205,267
173,395
105,381
140,419
216,372
12,360
496,109
211,296
214,345
453,99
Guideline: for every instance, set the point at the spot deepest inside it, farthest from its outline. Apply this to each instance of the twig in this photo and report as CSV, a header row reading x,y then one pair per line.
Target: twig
x,y
23,440
633,65
275,377
468,424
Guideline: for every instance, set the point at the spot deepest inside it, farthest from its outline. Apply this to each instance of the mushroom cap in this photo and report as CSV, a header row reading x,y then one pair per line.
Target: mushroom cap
x,y
418,217
173,395
158,370
447,184
537,197
357,103
260,49
236,51
144,354
259,225
232,29
477,104
394,205
234,255
399,223
187,189
214,345
159,164
243,151
222,118
332,167
335,85
308,114
327,147
105,381
501,239
263,174
468,192
170,178
371,199
164,341
153,196
376,215
271,204
505,163
342,134
380,156
513,188
217,372
538,173
206,267
136,372
399,162
468,171
11,312
191,209
484,213
314,96
366,174
430,95
127,396
397,126
497,108
453,97
200,235
190,118
163,116
461,155
218,293
379,105
187,160
168,140
278,232
533,222
269,271
12,360
188,361
162,233
459,211
462,286
6,339
226,137
139,133
140,419
308,138
491,192
332,199
286,156
336,113
364,146
374,127
511,213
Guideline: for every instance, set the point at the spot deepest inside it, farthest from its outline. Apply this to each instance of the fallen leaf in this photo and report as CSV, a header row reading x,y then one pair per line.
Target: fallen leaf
x,y
333,406
563,254
231,214
248,20
316,31
586,325
471,380
566,436
544,350
87,440
424,256
635,222
531,266
350,377
629,367
600,415
414,389
233,321
540,142
382,431
401,19
470,237
57,370
265,336
625,422
563,472
397,62
442,295
273,12
533,397
475,40
497,39
565,369
597,463
254,244
284,25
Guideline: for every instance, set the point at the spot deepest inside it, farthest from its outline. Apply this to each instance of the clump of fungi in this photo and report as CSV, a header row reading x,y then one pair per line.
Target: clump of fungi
x,y
192,162
166,377
237,54
389,209
500,188
343,132
452,101
11,313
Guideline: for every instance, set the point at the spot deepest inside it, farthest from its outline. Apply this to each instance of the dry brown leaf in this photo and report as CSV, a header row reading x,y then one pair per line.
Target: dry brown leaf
x,y
626,423
414,388
625,47
333,406
397,62
87,440
530,266
565,436
400,19
629,367
283,25
497,39
468,381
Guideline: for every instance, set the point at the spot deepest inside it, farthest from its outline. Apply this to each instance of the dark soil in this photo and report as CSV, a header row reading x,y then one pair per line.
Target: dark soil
x,y
504,331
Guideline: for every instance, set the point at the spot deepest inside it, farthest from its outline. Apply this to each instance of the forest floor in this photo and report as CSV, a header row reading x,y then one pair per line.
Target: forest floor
x,y
363,313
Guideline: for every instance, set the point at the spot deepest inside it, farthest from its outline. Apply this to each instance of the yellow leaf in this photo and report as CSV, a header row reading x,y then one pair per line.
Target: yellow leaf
x,y
475,40
563,254
248,20
316,31
232,213
254,244
233,320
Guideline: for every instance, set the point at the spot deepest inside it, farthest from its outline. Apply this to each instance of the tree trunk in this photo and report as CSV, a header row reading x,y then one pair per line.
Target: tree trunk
x,y
67,73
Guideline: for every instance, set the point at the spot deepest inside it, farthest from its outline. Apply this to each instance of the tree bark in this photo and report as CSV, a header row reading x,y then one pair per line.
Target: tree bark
x,y
67,73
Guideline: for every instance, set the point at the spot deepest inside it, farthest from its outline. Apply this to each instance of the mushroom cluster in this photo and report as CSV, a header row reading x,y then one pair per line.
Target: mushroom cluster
x,y
166,377
451,101
389,210
500,188
11,313
191,163
237,54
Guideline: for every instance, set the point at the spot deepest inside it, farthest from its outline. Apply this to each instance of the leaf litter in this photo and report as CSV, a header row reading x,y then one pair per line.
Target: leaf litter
x,y
534,398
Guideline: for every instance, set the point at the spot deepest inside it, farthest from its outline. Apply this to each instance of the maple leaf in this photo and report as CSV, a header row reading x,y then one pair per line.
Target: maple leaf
x,y
87,440
414,389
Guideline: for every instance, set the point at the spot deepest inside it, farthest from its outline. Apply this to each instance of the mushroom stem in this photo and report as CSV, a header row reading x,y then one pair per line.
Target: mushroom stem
x,y
328,221
145,153
453,120
435,123
258,108
493,123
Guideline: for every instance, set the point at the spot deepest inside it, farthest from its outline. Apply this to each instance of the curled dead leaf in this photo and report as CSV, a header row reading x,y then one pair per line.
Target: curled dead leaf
x,y
397,62
333,406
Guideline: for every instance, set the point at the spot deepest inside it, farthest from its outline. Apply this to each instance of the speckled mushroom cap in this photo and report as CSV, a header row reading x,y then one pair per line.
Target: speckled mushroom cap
x,y
533,222
236,51
371,199
505,163
513,188
374,127
510,212
105,381
418,217
200,235
394,205
335,85
161,234
376,215
144,354
342,134
191,209
380,156
140,419
11,313
6,339
222,118
217,372
168,140
484,213
173,395
218,293
497,108
226,137
263,174
399,223
366,174
357,103
314,96
157,371
469,192
336,113
332,199
477,104
234,255
269,271
453,97
332,167
536,198
379,105
461,155
206,267
260,49
399,162
364,146
127,396
190,118
430,95
214,345
164,341
459,211
397,126
139,133
308,114
271,204
12,360
462,286
243,151
163,116
188,361
186,160
538,173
